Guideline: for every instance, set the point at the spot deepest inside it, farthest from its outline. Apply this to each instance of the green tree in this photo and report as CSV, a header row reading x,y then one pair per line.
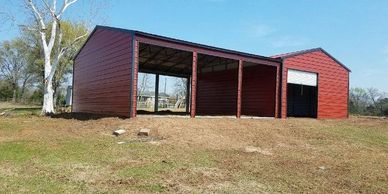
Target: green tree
x,y
48,25
382,106
70,31
15,66
5,90
359,101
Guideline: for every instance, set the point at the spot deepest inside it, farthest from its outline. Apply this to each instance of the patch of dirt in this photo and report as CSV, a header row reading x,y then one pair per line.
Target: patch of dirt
x,y
8,170
239,187
185,180
251,149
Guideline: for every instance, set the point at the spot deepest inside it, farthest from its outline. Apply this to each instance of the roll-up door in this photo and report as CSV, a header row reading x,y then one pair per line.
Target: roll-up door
x,y
301,77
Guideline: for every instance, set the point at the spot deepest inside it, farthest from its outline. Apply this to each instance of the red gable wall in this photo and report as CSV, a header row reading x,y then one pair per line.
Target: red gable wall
x,y
102,73
333,83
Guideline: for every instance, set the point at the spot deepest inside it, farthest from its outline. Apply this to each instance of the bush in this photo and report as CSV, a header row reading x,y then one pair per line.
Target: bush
x,y
61,100
5,90
36,97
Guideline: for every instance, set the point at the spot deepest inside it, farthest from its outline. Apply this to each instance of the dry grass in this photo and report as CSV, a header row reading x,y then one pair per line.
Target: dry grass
x,y
9,105
204,155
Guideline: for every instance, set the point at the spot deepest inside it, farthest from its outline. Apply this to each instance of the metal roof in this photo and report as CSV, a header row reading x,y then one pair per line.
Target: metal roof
x,y
178,41
301,52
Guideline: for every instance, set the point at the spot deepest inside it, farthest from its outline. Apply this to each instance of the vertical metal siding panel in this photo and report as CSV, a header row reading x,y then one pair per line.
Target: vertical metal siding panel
x,y
332,83
258,95
348,89
102,74
217,93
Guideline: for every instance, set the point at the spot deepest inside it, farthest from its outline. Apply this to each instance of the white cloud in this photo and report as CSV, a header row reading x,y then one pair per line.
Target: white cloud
x,y
261,31
275,38
288,41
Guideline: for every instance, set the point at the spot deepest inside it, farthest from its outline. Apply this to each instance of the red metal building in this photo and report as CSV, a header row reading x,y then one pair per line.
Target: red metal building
x,y
221,81
314,84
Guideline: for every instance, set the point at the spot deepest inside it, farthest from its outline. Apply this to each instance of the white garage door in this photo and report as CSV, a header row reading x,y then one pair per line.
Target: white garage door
x,y
301,77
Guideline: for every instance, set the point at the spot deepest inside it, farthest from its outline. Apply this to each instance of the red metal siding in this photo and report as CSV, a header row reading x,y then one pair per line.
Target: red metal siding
x,y
259,91
217,93
102,73
332,83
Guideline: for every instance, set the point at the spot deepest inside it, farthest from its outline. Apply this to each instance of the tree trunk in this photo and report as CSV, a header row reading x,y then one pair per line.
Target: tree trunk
x,y
55,94
23,89
48,97
14,95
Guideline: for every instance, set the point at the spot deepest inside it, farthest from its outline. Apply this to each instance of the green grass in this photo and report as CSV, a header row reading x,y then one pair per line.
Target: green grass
x,y
10,127
16,152
50,163
370,136
144,171
22,111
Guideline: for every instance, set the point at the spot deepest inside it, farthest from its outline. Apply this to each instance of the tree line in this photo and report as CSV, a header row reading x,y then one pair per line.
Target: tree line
x,y
369,101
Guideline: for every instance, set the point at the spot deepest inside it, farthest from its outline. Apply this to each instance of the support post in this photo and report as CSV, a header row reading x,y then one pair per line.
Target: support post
x,y
239,87
156,103
135,68
277,96
194,85
283,88
188,94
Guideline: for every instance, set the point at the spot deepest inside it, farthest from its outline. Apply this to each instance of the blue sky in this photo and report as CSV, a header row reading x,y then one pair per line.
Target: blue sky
x,y
355,32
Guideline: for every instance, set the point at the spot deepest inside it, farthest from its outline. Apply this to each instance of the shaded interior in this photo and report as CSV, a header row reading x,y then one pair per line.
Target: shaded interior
x,y
302,100
217,81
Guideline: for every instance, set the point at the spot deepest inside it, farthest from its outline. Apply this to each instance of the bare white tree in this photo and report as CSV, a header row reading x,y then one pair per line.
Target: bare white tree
x,y
144,84
181,92
48,24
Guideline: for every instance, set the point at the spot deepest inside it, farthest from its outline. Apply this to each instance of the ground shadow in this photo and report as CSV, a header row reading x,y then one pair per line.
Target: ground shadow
x,y
164,112
83,116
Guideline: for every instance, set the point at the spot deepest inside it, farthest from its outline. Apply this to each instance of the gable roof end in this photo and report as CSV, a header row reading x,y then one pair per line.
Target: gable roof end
x,y
292,54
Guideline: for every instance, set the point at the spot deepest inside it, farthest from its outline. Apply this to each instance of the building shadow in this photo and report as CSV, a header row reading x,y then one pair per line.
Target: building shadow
x,y
83,116
163,112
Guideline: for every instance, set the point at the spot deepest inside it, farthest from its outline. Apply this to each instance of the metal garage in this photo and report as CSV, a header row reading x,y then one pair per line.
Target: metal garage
x,y
314,84
308,83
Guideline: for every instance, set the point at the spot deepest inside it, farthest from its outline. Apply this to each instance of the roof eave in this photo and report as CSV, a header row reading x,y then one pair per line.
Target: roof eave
x,y
178,41
314,50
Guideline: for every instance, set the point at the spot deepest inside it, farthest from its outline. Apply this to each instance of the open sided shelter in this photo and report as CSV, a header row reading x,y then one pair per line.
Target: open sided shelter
x,y
222,82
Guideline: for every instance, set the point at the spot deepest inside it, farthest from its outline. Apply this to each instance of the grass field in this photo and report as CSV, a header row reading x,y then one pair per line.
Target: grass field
x,y
52,155
11,109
